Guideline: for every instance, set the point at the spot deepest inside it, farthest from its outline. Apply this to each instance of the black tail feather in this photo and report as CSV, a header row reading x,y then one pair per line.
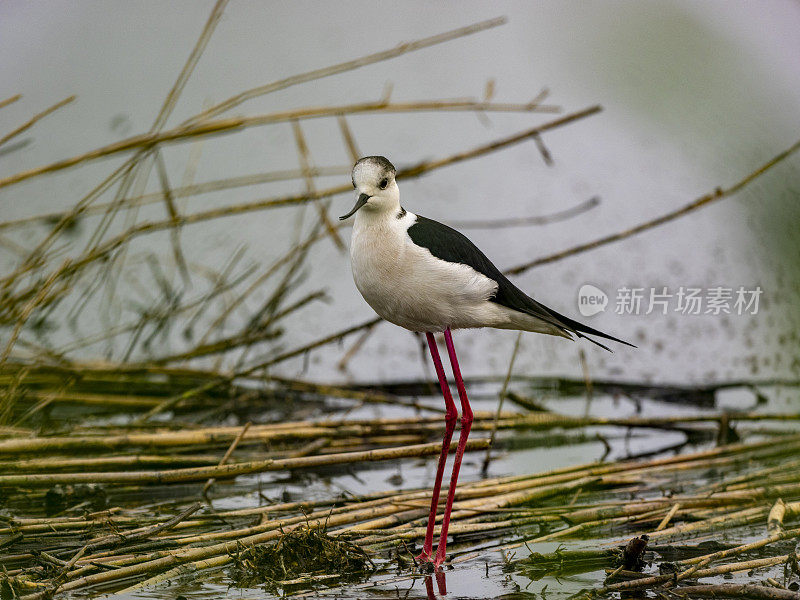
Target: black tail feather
x,y
579,329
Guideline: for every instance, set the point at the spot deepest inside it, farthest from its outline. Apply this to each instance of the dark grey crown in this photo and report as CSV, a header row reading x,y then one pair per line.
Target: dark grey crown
x,y
380,161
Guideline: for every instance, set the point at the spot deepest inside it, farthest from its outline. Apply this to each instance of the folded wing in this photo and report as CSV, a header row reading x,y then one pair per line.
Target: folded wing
x,y
450,245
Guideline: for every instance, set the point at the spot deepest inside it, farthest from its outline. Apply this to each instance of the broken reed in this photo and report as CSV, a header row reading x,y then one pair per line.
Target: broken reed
x,y
575,502
150,452
152,390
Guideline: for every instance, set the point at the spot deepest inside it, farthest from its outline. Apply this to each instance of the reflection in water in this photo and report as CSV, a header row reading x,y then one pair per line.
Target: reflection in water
x,y
441,583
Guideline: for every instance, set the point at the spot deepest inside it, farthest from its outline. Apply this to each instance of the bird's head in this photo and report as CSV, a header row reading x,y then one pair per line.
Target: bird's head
x,y
373,179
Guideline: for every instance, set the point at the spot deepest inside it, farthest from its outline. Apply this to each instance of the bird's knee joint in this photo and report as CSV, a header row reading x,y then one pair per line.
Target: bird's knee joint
x,y
451,417
466,419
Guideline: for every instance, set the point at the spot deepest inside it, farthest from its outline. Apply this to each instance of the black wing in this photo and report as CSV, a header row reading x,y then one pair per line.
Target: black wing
x,y
448,244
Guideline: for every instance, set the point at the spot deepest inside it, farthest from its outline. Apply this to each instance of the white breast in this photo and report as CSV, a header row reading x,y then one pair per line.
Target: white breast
x,y
406,285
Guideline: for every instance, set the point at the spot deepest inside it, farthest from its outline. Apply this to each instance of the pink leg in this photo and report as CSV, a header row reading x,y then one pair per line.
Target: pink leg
x,y
441,582
429,588
450,424
466,424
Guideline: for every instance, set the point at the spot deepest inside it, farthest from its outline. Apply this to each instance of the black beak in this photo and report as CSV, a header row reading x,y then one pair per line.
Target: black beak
x,y
362,200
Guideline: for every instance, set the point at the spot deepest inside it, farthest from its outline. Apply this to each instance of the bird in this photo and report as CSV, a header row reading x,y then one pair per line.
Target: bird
x,y
429,278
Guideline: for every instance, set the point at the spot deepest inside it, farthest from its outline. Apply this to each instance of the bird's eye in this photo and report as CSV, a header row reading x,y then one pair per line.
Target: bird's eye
x,y
384,183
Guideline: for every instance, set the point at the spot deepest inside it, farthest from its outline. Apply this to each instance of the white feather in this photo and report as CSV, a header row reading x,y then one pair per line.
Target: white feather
x,y
408,286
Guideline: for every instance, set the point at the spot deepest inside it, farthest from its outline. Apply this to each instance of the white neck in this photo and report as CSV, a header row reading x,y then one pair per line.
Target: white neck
x,y
371,217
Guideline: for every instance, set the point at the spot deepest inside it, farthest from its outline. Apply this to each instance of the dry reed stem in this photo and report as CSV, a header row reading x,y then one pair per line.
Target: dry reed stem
x,y
33,120
244,338
10,100
229,471
668,517
227,456
143,532
717,194
695,570
354,348
351,428
190,190
349,141
140,171
187,191
502,397
742,480
698,574
743,548
403,48
775,517
112,244
131,326
546,219
737,590
191,62
729,519
35,257
106,462
26,312
268,272
381,536
308,347
147,141
172,211
486,497
304,157
466,491
169,104
220,553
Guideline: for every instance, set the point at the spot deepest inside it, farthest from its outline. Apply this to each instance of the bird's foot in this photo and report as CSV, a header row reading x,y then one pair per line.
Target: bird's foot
x,y
427,567
426,562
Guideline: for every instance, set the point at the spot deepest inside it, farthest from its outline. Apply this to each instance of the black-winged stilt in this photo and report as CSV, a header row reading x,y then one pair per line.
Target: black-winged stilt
x,y
426,277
